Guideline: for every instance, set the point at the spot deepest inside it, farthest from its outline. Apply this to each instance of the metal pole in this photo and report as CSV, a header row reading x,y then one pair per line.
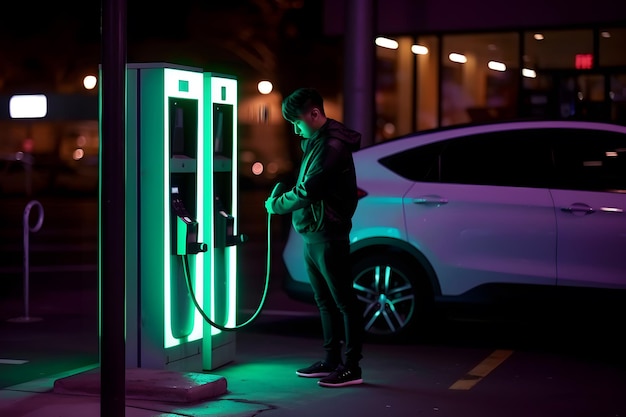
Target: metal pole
x,y
359,51
112,205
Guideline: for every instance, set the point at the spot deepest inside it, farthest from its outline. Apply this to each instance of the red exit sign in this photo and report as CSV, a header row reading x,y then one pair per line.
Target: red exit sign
x,y
584,61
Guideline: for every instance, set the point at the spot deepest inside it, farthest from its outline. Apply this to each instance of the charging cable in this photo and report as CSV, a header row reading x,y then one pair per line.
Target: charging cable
x,y
186,269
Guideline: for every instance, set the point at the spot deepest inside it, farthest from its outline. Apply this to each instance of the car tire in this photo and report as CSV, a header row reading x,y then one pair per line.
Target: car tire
x,y
395,296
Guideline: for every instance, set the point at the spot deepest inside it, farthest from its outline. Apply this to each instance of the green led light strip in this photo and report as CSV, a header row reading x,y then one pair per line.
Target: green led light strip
x,y
195,81
219,86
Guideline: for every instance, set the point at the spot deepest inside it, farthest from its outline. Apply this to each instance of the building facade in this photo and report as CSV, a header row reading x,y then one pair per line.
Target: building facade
x,y
445,63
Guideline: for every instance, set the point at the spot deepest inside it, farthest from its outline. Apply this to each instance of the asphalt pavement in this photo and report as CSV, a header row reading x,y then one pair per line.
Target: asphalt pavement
x,y
49,299
467,368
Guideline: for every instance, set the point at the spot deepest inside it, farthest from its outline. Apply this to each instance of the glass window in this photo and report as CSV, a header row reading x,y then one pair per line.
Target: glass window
x,y
590,98
416,164
612,50
558,49
426,50
517,158
617,95
514,158
479,77
590,160
538,95
556,83
395,66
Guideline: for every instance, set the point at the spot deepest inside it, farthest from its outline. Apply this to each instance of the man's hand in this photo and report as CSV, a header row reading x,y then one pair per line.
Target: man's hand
x,y
278,190
268,205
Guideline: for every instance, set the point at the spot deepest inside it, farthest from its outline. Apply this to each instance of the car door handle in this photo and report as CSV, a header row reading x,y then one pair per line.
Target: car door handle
x,y
430,200
578,208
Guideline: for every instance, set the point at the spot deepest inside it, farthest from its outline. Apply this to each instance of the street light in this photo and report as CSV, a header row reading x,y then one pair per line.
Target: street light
x,y
89,82
265,87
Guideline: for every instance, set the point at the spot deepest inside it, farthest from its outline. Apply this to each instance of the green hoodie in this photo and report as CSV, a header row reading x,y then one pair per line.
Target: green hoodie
x,y
325,196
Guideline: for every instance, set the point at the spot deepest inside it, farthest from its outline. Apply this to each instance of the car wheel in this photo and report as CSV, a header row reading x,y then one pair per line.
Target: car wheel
x,y
394,296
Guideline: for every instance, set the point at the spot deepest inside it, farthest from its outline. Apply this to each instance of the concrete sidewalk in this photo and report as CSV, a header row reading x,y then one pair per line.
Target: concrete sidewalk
x,y
262,378
64,344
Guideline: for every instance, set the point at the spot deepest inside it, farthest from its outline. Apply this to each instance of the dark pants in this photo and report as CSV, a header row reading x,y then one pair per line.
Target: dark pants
x,y
328,266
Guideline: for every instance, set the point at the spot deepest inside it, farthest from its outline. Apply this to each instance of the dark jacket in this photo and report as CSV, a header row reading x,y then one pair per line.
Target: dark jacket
x,y
325,196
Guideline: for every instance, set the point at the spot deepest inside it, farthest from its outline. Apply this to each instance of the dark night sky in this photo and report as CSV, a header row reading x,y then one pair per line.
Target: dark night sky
x,y
151,20
248,36
32,19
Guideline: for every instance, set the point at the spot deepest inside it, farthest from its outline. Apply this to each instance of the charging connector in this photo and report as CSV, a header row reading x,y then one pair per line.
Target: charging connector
x,y
186,269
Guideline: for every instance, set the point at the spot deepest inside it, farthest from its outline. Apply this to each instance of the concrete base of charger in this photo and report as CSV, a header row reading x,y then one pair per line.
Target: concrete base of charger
x,y
150,384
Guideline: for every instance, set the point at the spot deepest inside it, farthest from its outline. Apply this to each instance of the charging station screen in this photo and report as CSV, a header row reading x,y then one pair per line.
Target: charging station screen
x,y
223,129
183,127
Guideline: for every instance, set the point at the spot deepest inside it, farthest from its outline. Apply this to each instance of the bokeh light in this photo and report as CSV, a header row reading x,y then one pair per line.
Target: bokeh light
x,y
257,168
265,87
90,82
78,154
272,168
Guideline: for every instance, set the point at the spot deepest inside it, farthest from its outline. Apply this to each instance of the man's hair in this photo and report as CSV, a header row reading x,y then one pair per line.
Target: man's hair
x,y
301,101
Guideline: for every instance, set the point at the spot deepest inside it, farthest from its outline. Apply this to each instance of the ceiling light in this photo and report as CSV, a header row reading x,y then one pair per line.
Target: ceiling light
x,y
458,58
419,50
386,43
496,66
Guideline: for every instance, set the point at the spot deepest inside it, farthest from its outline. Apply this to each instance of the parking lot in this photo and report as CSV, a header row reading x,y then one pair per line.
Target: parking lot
x,y
480,364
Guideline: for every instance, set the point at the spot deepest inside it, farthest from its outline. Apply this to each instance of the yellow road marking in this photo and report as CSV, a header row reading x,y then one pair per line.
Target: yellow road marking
x,y
481,370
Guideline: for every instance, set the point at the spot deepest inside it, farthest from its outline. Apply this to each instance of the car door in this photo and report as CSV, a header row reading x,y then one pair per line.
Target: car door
x,y
590,208
486,216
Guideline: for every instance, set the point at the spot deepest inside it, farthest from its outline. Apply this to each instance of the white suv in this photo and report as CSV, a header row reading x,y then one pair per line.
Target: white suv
x,y
482,212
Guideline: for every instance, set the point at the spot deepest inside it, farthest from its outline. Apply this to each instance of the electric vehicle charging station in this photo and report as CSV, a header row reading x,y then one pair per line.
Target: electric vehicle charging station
x,y
220,97
181,217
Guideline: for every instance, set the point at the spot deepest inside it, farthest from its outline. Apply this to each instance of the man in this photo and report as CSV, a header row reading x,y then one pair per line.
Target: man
x,y
322,203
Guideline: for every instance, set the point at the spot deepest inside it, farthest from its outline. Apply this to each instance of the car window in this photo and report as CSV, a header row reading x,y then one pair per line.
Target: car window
x,y
416,164
515,158
519,158
590,160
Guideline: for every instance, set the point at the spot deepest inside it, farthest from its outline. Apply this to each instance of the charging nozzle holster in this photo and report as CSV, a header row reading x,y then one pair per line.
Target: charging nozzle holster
x,y
185,230
225,228
187,237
